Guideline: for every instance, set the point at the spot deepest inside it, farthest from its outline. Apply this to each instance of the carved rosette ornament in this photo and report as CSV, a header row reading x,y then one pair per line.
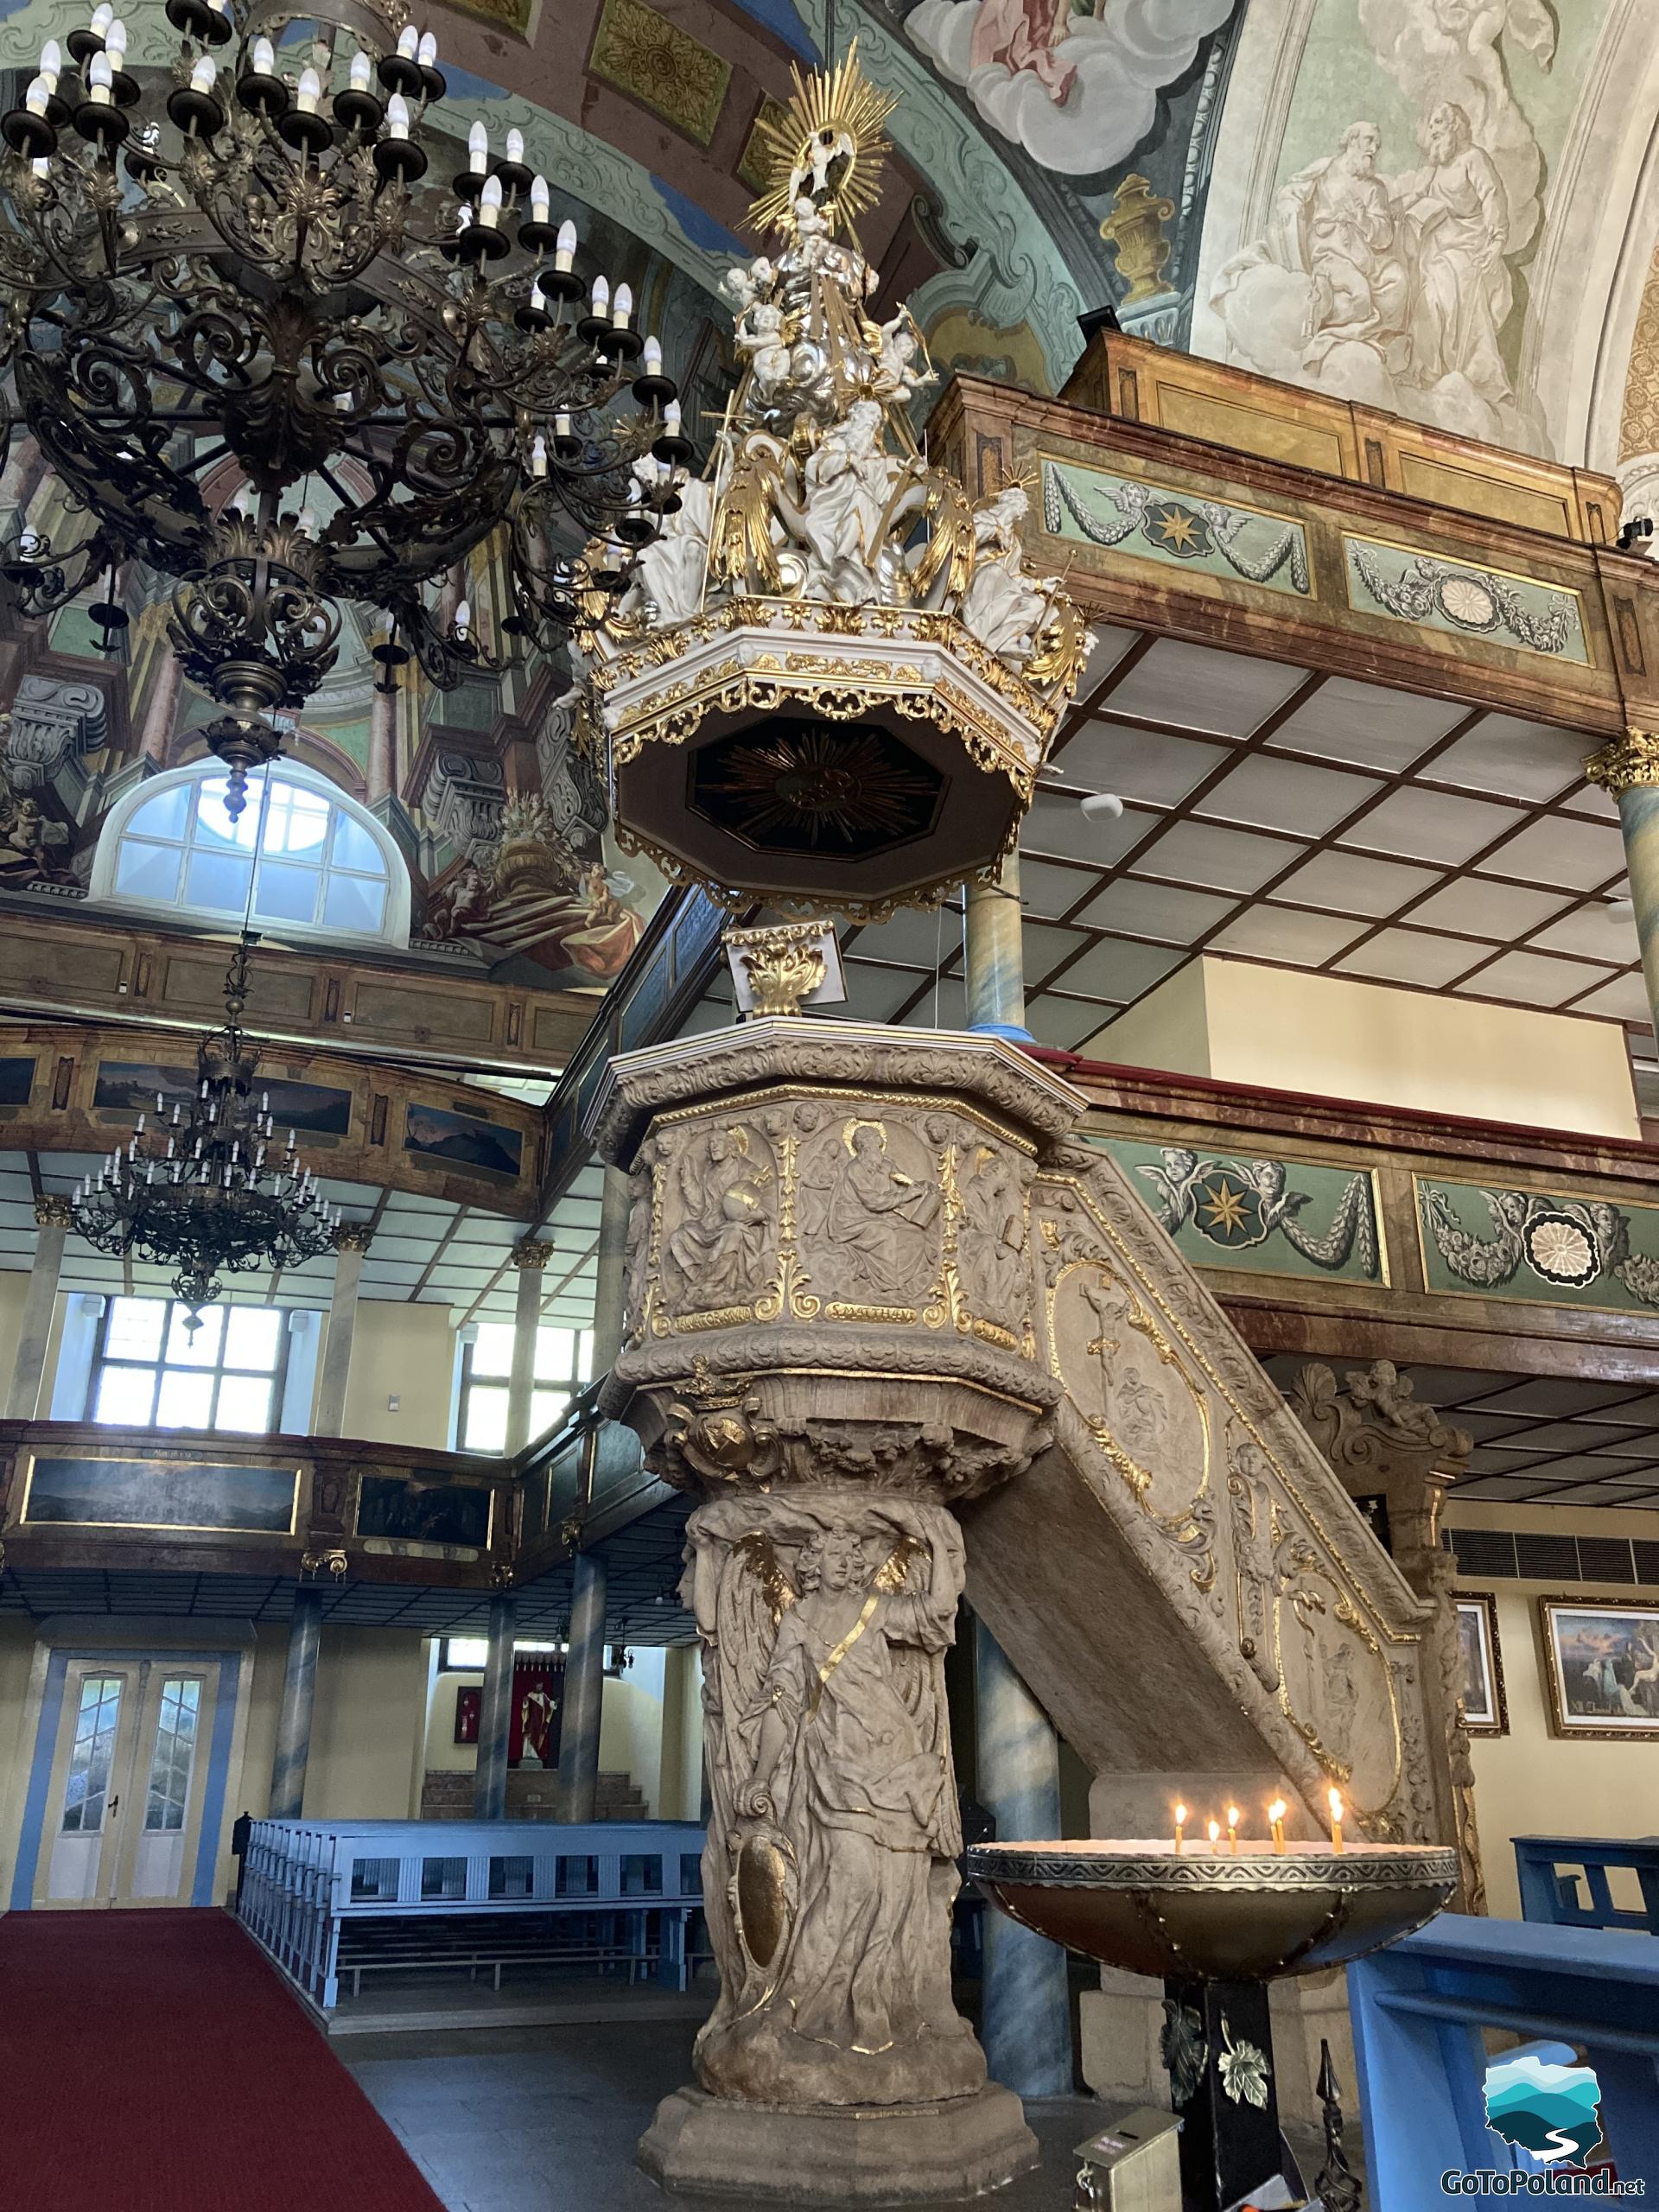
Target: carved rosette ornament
x,y
853,674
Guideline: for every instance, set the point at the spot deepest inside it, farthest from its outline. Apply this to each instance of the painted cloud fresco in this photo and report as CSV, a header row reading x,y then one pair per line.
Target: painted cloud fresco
x,y
1075,86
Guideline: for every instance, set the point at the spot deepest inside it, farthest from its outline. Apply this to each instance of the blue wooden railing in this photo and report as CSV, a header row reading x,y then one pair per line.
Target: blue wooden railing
x,y
1419,2008
1552,1870
331,1900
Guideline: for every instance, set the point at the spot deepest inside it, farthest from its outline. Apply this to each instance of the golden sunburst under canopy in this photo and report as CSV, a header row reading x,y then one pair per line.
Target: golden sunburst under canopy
x,y
830,146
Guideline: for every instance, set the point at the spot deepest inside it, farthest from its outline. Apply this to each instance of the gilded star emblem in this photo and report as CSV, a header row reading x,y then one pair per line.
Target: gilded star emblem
x,y
1226,1208
1177,529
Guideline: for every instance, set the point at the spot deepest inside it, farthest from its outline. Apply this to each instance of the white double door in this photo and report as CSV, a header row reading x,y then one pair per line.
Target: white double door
x,y
129,1776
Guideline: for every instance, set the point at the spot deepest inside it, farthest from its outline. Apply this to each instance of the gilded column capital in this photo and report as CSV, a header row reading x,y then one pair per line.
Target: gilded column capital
x,y
52,1211
353,1236
532,1255
1629,762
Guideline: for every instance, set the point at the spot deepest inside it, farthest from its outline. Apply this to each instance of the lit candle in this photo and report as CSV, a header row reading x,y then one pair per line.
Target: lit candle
x,y
397,115
564,252
539,197
1335,1803
1180,1824
310,91
1215,1838
489,203
1276,1822
361,68
601,297
35,98
1232,1829
427,52
538,455
622,307
478,149
409,42
516,146
98,80
202,76
265,58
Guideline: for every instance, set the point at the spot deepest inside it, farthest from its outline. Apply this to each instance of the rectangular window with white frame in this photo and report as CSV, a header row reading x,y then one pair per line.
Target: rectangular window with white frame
x,y
150,1370
564,1359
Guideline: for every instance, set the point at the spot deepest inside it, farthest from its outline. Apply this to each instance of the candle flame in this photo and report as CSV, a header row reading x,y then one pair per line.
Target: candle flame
x,y
1335,1802
1180,1816
1232,1817
1277,1810
1215,1830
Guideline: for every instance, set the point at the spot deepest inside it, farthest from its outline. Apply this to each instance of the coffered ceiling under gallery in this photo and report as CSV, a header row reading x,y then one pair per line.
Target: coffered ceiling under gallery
x,y
426,1251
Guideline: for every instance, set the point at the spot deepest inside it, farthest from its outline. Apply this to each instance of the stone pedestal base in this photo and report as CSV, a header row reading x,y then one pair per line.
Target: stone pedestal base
x,y
708,2147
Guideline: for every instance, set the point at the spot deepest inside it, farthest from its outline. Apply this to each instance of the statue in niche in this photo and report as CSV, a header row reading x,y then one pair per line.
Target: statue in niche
x,y
720,1245
992,1236
835,1829
878,1219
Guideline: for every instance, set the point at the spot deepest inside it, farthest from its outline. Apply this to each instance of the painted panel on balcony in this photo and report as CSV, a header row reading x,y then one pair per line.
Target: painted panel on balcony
x,y
126,1088
17,1081
87,1491
1482,1243
1261,1216
430,1510
1458,599
1180,530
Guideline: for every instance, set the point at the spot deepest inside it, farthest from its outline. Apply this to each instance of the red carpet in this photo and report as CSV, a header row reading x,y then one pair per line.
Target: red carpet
x,y
152,2062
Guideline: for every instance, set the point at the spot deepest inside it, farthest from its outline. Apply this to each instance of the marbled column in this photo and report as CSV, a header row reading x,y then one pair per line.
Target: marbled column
x,y
351,1241
584,1689
382,780
162,707
299,1695
495,1712
23,1400
610,1288
1629,770
1026,2014
994,969
530,1258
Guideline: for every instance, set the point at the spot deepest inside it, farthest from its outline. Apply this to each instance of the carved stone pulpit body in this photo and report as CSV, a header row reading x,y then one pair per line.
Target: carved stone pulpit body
x,y
830,1341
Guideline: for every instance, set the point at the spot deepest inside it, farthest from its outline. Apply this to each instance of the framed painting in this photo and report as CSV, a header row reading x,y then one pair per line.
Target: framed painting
x,y
1601,1660
1485,1709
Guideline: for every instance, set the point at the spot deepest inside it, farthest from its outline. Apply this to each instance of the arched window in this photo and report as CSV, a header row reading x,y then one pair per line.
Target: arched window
x,y
316,864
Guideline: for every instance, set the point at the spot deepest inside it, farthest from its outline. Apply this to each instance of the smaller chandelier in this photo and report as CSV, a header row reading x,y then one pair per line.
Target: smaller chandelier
x,y
203,1193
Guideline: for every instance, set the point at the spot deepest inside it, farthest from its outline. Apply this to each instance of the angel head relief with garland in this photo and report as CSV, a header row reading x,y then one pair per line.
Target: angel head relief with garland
x,y
818,489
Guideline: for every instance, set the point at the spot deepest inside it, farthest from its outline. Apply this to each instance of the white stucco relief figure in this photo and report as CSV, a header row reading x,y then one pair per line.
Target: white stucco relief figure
x,y
1077,87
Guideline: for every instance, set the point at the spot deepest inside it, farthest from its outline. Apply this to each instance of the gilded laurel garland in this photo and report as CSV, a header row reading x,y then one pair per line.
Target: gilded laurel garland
x,y
241,257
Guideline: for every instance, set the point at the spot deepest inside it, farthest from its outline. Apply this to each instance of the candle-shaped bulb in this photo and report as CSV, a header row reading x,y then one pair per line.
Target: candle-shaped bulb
x,y
478,149
427,52
515,147
409,42
310,91
672,418
35,98
564,252
98,80
539,199
537,296
219,7
1334,1800
651,360
362,67
265,58
52,62
463,617
601,297
562,426
622,307
397,115
115,43
102,16
202,75
538,455
1215,1835
489,203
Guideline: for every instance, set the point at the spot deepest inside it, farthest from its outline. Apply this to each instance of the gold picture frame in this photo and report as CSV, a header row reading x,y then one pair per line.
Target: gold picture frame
x,y
1601,1663
1488,1712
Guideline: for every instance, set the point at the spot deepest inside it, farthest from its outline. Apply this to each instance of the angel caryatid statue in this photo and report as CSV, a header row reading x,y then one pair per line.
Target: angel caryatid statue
x,y
830,1870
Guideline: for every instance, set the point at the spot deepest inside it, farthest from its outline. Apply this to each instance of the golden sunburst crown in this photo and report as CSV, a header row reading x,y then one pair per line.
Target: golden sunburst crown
x,y
829,145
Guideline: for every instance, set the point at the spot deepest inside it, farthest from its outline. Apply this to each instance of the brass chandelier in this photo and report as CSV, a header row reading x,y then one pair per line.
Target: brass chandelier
x,y
250,257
